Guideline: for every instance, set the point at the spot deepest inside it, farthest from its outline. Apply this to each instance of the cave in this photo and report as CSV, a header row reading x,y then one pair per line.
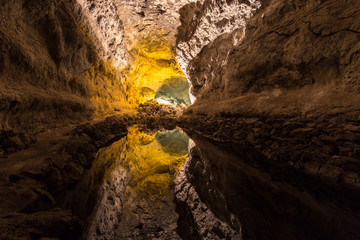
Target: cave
x,y
180,119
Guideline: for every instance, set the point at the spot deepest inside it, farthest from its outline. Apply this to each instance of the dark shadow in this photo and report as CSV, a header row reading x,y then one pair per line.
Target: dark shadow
x,y
268,200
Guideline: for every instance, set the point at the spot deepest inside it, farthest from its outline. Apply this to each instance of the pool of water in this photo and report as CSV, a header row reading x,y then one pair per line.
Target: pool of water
x,y
163,185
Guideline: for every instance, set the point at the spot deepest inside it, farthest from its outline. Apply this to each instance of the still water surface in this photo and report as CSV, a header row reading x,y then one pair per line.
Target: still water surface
x,y
163,185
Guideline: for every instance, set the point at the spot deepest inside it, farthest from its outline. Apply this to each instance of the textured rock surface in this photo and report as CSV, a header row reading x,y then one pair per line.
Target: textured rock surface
x,y
110,205
142,18
43,56
204,21
102,21
127,193
287,45
67,61
284,84
288,88
31,180
57,66
174,91
34,182
150,32
323,145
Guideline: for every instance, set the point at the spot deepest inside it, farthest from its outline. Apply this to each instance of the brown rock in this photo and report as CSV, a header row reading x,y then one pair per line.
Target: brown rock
x,y
327,138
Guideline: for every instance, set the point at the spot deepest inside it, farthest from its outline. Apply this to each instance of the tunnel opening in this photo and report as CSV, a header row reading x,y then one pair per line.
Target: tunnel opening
x,y
174,91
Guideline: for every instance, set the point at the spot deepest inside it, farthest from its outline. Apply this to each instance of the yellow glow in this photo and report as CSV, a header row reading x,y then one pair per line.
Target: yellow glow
x,y
121,90
107,91
153,61
152,169
149,166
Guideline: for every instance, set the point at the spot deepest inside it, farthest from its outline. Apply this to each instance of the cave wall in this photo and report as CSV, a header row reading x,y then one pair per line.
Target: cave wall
x,y
288,44
150,38
102,21
67,61
204,21
59,64
43,56
288,86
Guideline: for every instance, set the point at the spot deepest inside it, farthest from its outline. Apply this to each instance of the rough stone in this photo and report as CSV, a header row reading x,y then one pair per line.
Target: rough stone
x,y
294,66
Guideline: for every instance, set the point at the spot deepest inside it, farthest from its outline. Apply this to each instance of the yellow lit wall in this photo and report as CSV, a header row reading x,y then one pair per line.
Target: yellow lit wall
x,y
153,62
108,92
119,90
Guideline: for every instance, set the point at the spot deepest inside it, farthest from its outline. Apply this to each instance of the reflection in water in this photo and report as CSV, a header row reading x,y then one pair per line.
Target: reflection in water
x,y
130,187
221,192
153,161
226,192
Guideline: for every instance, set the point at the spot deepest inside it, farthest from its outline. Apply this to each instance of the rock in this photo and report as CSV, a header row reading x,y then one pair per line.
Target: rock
x,y
352,128
104,26
301,130
49,224
251,138
352,178
327,138
330,172
36,73
345,150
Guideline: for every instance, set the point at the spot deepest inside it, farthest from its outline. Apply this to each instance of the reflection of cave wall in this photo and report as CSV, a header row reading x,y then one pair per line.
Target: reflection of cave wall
x,y
266,200
173,142
175,91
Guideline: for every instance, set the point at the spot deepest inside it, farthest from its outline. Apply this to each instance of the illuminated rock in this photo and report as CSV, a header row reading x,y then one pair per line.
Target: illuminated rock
x,y
153,65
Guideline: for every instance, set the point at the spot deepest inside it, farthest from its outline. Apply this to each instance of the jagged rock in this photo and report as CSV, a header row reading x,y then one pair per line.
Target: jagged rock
x,y
291,68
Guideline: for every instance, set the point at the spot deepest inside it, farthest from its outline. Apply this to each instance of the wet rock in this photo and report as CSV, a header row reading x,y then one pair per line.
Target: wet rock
x,y
30,187
303,146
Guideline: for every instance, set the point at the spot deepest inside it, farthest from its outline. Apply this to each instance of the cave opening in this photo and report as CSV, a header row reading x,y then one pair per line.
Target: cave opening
x,y
174,91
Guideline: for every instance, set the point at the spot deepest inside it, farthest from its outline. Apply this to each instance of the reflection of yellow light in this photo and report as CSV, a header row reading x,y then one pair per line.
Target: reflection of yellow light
x,y
152,169
153,61
149,166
